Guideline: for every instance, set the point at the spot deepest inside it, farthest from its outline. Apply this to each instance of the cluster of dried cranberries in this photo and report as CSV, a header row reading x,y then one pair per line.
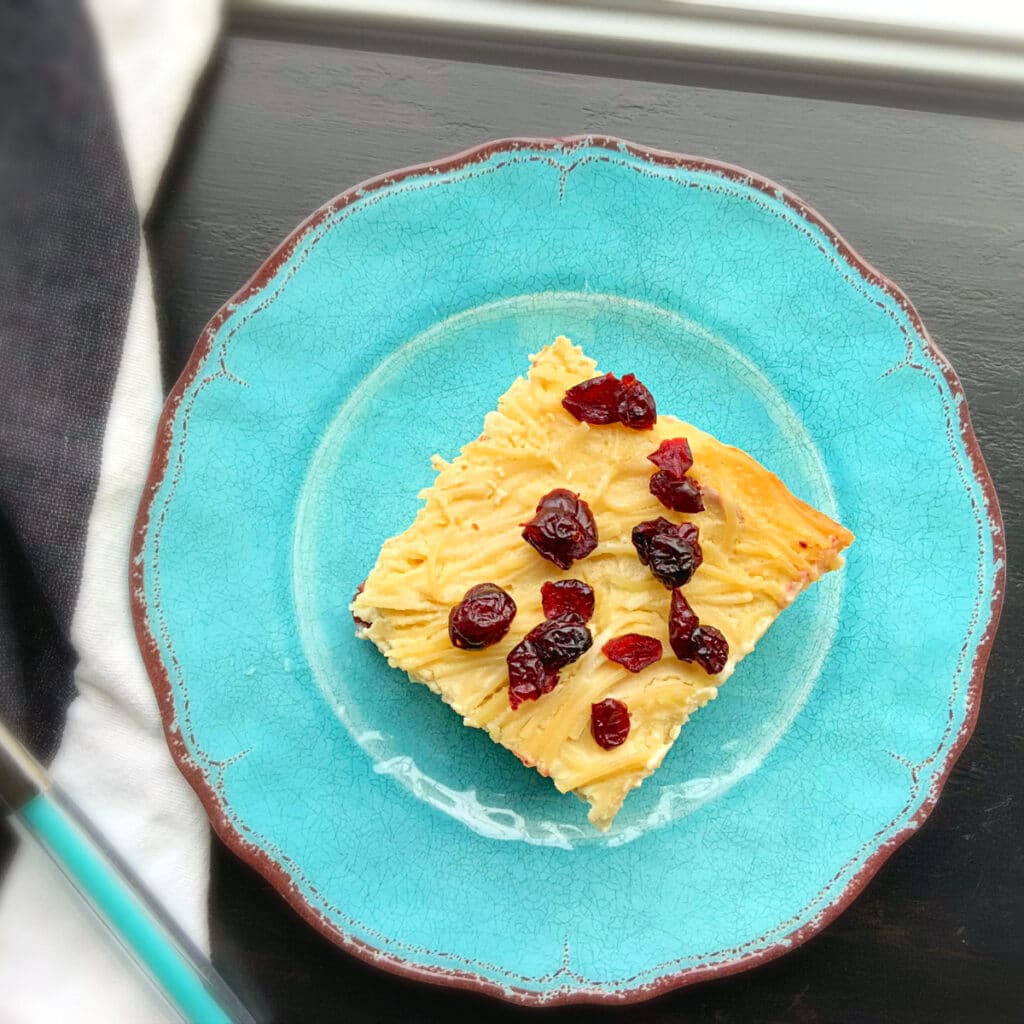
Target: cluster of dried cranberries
x,y
563,531
607,399
670,485
673,554
485,613
692,641
561,639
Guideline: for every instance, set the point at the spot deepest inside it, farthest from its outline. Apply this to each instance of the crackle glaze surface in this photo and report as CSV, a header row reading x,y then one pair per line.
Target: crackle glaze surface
x,y
381,332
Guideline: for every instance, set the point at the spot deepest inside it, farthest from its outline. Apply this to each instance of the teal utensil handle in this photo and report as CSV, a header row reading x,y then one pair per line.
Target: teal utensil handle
x,y
156,944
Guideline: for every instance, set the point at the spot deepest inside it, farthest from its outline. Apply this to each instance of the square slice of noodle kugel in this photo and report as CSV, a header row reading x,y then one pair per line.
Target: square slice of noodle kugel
x,y
762,546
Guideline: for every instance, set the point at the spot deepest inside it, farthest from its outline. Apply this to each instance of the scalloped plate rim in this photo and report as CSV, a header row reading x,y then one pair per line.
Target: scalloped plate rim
x,y
273,871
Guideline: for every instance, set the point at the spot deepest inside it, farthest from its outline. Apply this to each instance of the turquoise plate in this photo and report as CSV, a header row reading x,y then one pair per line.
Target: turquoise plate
x,y
296,441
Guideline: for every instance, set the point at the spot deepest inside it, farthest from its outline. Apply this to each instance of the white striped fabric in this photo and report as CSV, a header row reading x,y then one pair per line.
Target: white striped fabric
x,y
113,760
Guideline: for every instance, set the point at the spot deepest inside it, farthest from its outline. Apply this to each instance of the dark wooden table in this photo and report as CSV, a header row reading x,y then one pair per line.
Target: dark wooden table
x,y
934,199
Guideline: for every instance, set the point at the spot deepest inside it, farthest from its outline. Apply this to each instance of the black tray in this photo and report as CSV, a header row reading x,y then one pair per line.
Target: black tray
x,y
294,111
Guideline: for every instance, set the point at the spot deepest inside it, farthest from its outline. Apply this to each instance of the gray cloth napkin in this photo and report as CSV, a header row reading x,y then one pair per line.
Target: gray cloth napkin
x,y
89,114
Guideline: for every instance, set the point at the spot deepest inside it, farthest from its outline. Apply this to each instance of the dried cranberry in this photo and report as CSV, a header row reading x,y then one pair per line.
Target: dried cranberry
x,y
682,622
633,651
680,495
609,723
673,456
534,662
710,649
481,618
561,641
636,407
560,538
674,560
694,642
567,597
671,551
563,530
596,400
360,623
528,676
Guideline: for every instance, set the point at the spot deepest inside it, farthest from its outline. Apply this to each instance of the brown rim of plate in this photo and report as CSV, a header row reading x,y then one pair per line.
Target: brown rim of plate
x,y
271,869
